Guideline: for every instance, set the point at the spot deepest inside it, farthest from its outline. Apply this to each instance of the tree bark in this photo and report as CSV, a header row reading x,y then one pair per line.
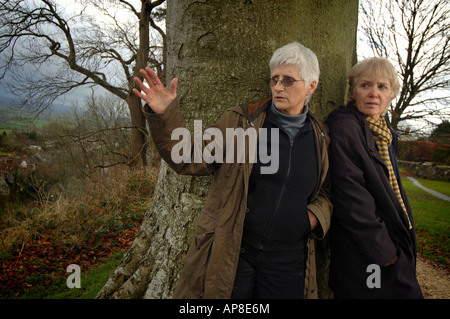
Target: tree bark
x,y
220,51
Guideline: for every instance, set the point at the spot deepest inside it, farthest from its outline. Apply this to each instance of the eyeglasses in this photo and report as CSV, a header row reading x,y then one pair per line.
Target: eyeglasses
x,y
286,82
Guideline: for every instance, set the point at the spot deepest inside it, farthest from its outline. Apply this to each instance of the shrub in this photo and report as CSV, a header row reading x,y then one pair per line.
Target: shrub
x,y
442,155
420,151
105,201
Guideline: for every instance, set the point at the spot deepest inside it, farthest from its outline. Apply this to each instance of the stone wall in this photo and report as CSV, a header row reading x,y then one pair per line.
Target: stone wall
x,y
427,170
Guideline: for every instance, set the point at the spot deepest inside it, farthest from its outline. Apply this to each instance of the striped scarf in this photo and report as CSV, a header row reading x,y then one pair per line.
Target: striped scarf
x,y
383,138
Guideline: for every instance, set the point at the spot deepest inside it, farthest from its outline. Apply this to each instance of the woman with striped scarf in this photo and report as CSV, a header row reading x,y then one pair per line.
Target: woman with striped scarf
x,y
372,237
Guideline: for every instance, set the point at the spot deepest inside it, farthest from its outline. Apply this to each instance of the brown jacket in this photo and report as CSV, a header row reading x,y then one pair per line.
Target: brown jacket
x,y
212,258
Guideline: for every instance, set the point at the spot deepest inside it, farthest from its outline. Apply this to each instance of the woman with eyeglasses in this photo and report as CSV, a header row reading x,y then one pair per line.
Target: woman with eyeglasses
x,y
255,236
372,238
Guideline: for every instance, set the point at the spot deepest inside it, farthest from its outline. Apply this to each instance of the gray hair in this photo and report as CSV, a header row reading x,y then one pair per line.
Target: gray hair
x,y
296,54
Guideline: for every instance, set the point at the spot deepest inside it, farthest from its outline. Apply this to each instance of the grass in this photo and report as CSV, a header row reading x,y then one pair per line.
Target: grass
x,y
12,118
5,131
91,282
432,220
438,186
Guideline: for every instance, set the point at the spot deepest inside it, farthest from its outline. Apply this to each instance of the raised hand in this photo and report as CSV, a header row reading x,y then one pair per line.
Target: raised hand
x,y
155,94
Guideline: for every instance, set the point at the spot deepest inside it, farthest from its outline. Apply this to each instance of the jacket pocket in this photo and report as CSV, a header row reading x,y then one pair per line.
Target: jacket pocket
x,y
197,259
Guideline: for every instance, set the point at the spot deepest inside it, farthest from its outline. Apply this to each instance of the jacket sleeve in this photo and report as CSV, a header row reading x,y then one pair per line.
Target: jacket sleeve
x,y
354,205
321,205
322,208
161,128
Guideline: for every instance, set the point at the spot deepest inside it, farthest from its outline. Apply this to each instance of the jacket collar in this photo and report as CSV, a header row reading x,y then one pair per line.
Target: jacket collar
x,y
353,109
370,141
252,111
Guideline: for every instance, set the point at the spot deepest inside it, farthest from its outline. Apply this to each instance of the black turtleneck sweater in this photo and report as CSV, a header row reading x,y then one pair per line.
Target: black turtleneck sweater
x,y
277,217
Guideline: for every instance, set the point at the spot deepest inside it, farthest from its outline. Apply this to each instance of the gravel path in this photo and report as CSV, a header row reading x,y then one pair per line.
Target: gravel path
x,y
434,279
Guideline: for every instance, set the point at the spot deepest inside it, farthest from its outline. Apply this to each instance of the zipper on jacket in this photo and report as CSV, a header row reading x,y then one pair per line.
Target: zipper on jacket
x,y
277,207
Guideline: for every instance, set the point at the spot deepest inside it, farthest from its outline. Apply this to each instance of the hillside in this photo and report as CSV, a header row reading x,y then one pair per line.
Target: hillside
x,y
14,118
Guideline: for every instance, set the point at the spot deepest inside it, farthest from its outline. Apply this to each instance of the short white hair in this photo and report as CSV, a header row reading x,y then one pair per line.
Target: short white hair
x,y
297,54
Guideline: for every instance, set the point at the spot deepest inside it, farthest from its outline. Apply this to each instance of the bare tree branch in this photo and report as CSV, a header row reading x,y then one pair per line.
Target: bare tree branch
x,y
95,46
414,36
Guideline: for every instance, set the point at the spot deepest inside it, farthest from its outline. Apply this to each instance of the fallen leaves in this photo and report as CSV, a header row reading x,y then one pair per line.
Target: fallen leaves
x,y
44,261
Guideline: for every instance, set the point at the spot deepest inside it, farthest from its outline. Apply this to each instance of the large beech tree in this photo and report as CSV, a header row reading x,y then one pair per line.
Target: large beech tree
x,y
220,50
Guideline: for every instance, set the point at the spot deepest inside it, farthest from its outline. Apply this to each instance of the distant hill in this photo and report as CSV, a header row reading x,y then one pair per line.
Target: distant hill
x,y
56,107
13,118
4,101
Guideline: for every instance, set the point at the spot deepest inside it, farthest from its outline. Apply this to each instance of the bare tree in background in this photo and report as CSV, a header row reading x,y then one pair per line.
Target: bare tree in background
x,y
47,49
414,36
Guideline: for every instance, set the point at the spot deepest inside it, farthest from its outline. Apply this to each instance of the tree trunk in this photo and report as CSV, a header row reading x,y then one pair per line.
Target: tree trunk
x,y
220,51
139,132
138,138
